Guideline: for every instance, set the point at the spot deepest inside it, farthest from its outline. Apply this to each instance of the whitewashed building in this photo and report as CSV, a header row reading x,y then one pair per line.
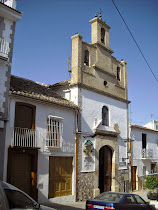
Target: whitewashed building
x,y
40,142
98,85
144,156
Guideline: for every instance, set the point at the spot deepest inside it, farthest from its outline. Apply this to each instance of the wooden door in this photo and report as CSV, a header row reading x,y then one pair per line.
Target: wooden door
x,y
105,169
60,176
24,116
133,176
22,170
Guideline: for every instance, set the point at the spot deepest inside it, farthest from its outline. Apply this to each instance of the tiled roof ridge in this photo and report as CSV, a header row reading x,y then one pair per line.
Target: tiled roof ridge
x,y
64,82
26,87
143,127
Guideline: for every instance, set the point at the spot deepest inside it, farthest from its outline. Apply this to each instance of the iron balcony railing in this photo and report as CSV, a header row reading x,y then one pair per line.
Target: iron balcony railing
x,y
4,46
147,153
24,137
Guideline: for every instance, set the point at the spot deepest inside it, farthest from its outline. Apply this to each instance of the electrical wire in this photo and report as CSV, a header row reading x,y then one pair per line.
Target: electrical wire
x,y
135,41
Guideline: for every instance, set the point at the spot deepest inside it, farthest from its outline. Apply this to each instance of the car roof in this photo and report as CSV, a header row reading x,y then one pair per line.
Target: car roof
x,y
122,193
6,185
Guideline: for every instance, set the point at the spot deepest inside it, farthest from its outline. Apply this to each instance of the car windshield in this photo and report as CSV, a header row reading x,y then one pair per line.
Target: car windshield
x,y
17,199
110,197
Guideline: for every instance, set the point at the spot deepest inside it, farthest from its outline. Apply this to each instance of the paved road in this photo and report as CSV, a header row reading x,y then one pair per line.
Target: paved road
x,y
81,205
67,205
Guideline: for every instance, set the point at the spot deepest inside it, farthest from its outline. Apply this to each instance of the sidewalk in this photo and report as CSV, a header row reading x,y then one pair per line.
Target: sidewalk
x,y
67,205
142,193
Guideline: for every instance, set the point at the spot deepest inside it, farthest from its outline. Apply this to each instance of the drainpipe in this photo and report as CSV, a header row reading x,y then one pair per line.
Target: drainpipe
x,y
76,152
76,171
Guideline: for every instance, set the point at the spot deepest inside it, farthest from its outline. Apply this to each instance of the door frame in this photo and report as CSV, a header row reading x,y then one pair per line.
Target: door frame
x,y
134,177
50,178
33,174
106,170
110,141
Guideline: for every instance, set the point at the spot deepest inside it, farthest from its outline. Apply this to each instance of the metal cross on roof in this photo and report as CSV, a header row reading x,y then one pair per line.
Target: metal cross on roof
x,y
100,13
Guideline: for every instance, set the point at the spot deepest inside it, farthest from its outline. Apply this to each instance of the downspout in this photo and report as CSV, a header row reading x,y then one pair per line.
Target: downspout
x,y
76,152
76,171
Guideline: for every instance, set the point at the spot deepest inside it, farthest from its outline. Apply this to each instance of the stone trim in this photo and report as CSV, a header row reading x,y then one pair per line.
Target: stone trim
x,y
120,87
90,74
113,144
80,85
12,42
98,44
103,71
100,21
8,73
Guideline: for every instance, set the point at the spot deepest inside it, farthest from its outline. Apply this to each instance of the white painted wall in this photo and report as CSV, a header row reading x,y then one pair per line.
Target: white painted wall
x,y
92,104
152,125
68,145
152,139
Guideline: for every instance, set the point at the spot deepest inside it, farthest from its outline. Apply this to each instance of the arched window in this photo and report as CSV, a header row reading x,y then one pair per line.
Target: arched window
x,y
118,73
105,116
102,35
86,58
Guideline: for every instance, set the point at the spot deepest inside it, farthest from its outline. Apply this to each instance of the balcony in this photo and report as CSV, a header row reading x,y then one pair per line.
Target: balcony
x,y
147,154
4,49
9,3
23,137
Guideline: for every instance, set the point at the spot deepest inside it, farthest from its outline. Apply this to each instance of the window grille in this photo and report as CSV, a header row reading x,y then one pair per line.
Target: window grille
x,y
54,132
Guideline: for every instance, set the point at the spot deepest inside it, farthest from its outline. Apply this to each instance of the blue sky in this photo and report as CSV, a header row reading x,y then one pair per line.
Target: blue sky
x,y
43,44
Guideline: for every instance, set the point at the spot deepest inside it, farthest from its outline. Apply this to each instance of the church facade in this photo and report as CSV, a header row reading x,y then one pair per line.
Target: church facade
x,y
98,86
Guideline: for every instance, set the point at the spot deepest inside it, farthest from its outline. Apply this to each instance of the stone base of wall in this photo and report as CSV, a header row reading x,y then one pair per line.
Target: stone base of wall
x,y
85,186
124,184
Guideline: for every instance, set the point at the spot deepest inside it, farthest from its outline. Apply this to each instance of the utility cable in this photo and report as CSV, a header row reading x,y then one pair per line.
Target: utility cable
x,y
135,41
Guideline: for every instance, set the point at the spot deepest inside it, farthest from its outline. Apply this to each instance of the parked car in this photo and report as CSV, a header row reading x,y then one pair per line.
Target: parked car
x,y
13,198
153,195
118,201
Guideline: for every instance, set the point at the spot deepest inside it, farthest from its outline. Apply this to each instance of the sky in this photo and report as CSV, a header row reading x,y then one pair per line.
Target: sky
x,y
43,44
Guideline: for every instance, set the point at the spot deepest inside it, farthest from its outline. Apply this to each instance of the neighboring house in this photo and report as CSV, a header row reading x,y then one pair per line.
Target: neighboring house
x,y
8,18
40,141
144,156
98,85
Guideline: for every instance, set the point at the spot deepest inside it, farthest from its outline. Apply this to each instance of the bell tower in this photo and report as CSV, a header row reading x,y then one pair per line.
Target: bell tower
x,y
99,31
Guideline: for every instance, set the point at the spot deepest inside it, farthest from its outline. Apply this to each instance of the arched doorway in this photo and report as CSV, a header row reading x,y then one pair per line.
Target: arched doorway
x,y
105,169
